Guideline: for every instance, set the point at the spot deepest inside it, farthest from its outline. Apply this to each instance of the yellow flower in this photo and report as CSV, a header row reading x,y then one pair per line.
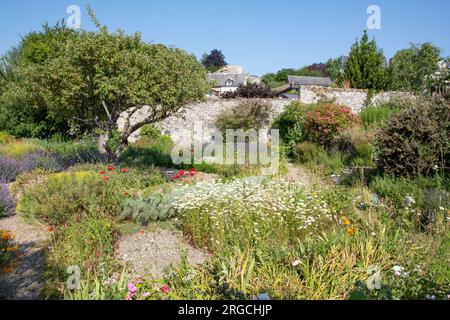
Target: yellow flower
x,y
12,249
346,221
351,231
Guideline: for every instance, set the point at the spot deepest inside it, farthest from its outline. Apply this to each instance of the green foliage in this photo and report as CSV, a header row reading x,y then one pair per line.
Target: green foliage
x,y
98,75
307,152
274,80
355,146
413,69
374,116
416,140
291,123
364,68
246,115
154,207
149,131
76,195
5,137
22,113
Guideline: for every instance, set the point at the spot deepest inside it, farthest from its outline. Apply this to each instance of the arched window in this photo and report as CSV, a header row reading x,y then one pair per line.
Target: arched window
x,y
229,82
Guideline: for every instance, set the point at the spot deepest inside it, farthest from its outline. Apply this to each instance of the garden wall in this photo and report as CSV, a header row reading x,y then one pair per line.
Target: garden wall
x,y
181,126
353,98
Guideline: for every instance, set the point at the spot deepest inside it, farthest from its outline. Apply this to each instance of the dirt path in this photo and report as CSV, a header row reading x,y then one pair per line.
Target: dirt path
x,y
300,174
150,253
24,282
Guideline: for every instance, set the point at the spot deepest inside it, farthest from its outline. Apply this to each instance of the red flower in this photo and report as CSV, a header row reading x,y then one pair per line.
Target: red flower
x,y
176,177
111,168
102,172
51,229
165,289
181,173
105,178
126,194
124,170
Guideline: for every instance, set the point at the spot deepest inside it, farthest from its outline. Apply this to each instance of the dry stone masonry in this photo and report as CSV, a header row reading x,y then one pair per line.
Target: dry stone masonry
x,y
184,125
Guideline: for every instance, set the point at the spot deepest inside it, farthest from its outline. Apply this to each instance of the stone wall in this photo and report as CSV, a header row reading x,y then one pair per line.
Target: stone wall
x,y
353,98
181,127
186,123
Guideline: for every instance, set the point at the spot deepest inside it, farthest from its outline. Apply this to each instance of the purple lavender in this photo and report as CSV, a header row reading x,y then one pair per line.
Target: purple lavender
x,y
7,204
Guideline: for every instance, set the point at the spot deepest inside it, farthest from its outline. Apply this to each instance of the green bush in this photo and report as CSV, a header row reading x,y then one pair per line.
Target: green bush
x,y
76,195
246,115
291,123
377,115
308,152
355,145
85,243
416,141
5,137
155,207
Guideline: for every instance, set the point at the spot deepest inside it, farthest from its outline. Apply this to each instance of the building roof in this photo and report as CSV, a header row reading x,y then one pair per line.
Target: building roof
x,y
220,79
310,81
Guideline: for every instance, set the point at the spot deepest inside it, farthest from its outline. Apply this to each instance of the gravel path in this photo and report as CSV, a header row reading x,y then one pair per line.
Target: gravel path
x,y
299,174
25,281
149,253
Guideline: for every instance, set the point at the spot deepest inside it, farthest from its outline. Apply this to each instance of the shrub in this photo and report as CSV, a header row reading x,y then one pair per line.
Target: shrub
x,y
76,195
148,152
19,148
416,141
5,138
246,115
377,115
250,90
88,244
7,204
355,145
291,123
149,131
327,120
420,200
308,152
155,207
9,169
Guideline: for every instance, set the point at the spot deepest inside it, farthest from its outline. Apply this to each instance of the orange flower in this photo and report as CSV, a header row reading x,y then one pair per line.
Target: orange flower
x,y
346,221
351,231
7,269
6,235
124,170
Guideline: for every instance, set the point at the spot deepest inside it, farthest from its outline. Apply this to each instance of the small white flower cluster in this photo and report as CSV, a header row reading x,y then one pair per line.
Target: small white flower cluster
x,y
260,205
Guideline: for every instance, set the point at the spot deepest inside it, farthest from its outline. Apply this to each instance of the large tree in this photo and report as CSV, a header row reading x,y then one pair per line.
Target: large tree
x,y
99,77
20,114
214,60
414,69
365,67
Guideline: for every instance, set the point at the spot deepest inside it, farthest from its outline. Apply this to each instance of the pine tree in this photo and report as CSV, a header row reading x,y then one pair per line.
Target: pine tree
x,y
365,66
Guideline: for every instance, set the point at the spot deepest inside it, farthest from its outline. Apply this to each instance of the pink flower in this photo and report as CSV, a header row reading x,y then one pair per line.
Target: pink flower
x,y
165,289
132,288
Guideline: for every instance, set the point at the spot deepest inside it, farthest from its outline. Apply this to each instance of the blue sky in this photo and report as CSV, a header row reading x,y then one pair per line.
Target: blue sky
x,y
263,35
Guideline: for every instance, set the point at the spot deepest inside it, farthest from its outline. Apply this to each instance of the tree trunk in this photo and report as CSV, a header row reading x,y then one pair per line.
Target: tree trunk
x,y
103,144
